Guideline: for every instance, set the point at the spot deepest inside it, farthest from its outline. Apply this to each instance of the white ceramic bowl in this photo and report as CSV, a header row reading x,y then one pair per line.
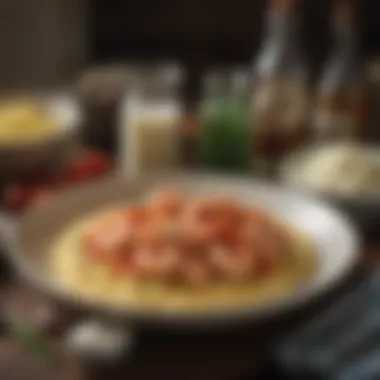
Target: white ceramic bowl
x,y
363,208
335,240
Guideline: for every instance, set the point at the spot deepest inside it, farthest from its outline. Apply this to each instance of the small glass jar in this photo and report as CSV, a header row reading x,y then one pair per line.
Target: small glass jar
x,y
100,91
225,140
149,121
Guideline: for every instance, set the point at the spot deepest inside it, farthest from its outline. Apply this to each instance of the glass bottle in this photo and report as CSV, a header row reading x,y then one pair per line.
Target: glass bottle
x,y
280,99
99,92
225,126
150,120
373,80
340,111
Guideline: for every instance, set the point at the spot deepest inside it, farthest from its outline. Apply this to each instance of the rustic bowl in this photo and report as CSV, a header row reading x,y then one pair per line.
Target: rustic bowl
x,y
23,159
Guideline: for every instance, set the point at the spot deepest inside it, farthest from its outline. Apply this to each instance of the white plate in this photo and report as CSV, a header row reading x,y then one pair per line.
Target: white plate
x,y
335,239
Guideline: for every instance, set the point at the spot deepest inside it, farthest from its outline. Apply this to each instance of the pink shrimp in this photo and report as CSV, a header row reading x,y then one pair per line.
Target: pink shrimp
x,y
168,203
107,236
232,264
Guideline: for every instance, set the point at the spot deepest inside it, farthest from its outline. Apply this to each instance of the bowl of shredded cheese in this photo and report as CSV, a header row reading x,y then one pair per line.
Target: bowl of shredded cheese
x,y
345,173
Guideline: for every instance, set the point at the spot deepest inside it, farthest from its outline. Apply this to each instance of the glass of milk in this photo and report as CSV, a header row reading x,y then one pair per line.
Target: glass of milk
x,y
149,124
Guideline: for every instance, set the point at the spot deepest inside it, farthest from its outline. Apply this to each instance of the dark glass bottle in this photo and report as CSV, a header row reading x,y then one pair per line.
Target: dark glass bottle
x,y
280,99
100,91
340,111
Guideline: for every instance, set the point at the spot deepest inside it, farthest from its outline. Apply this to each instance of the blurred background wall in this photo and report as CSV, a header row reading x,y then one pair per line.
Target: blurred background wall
x,y
48,41
43,42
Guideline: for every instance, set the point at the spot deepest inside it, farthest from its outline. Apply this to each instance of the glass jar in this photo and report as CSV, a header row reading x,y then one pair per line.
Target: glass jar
x,y
149,121
225,139
100,91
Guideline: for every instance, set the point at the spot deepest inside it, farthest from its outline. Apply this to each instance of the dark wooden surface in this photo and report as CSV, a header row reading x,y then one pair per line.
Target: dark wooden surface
x,y
240,353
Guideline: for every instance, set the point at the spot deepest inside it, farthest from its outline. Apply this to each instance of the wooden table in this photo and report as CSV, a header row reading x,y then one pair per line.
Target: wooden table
x,y
241,353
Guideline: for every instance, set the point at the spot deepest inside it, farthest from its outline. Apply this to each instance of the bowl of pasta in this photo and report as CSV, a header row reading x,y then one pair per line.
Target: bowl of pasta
x,y
183,249
38,132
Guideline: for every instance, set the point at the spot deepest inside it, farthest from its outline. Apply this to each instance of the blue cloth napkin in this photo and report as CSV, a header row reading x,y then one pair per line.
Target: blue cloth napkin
x,y
341,344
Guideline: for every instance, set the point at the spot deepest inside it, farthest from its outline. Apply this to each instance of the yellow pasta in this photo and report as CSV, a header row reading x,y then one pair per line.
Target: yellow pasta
x,y
96,281
23,121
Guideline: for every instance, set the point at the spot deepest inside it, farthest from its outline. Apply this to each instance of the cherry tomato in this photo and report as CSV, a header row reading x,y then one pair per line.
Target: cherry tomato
x,y
91,165
16,197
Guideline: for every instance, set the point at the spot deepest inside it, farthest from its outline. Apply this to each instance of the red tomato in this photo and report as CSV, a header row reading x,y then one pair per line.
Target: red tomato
x,y
91,165
16,197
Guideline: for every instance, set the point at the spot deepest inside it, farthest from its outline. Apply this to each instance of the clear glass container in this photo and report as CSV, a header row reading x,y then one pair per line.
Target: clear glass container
x,y
150,119
225,139
99,92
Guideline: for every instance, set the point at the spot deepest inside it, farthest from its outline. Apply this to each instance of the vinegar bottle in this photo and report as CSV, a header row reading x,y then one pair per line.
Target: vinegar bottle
x,y
341,100
280,99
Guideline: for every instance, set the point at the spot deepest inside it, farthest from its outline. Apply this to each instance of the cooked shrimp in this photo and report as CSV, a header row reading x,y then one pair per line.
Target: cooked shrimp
x,y
100,244
196,273
135,216
234,265
194,242
167,202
